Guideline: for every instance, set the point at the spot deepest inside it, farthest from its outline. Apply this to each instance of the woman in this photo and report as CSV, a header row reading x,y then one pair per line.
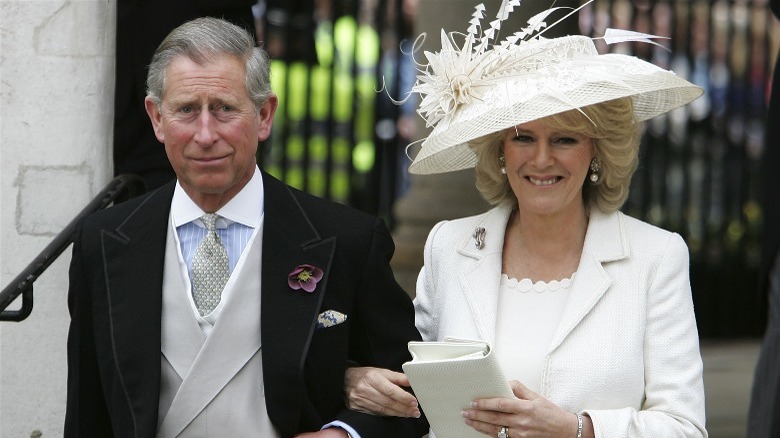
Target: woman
x,y
589,311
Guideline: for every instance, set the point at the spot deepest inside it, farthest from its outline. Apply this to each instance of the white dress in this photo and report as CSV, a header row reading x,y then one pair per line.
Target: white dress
x,y
526,321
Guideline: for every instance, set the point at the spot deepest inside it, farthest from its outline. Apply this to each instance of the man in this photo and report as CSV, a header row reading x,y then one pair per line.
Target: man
x,y
181,329
764,413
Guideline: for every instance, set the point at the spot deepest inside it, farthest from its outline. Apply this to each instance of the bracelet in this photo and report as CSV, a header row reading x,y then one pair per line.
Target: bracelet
x,y
579,425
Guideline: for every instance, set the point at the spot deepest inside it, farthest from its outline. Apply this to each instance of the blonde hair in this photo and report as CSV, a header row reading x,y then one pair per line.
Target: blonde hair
x,y
616,136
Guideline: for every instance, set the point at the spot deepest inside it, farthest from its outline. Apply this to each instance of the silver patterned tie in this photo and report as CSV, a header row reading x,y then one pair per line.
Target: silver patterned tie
x,y
210,269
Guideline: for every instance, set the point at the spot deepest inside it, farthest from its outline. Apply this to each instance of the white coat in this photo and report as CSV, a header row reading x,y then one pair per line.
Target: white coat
x,y
626,351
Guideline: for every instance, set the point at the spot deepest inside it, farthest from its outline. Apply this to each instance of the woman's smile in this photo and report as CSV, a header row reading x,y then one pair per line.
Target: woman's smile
x,y
543,181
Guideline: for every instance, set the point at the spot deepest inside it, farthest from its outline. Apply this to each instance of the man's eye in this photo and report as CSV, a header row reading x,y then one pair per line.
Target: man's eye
x,y
226,108
186,109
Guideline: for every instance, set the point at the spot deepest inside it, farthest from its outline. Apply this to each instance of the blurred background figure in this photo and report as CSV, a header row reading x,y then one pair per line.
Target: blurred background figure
x,y
286,29
764,415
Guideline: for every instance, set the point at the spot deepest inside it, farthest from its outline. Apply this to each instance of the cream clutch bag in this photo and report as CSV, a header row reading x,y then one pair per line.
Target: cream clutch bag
x,y
447,376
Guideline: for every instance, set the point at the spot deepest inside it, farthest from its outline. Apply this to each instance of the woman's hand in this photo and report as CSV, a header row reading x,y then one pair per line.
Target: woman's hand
x,y
378,391
529,415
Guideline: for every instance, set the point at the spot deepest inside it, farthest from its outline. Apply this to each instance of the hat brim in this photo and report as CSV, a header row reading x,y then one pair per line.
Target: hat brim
x,y
527,97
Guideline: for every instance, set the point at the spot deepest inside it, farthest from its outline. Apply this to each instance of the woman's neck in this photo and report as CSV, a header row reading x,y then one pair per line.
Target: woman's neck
x,y
544,247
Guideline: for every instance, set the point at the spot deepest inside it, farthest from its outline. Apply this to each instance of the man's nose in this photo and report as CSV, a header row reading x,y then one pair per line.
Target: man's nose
x,y
205,133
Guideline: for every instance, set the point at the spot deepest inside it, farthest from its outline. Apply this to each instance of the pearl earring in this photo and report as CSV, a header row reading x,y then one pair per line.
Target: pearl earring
x,y
595,167
502,162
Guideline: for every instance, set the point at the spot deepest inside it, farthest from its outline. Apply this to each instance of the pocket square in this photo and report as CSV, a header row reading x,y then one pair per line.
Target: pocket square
x,y
329,318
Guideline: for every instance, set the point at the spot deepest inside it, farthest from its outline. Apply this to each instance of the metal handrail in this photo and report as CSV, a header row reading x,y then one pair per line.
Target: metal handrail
x,y
129,185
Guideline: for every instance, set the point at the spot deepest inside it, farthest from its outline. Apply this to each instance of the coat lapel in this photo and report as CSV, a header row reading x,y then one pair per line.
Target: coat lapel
x,y
133,260
288,316
604,242
481,279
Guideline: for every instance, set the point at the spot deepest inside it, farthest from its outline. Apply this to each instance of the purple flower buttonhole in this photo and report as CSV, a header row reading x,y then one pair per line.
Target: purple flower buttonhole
x,y
305,277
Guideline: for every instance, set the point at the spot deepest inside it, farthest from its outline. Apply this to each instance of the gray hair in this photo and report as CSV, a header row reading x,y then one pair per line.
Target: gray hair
x,y
202,40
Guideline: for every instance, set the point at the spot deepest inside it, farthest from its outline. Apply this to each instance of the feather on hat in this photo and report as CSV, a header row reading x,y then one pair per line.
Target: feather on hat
x,y
480,88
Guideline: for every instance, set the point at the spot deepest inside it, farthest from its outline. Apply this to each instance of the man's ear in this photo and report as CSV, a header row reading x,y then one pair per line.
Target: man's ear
x,y
266,117
156,117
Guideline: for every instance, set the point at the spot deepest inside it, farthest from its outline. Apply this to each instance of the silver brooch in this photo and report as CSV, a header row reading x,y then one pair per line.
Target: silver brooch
x,y
479,237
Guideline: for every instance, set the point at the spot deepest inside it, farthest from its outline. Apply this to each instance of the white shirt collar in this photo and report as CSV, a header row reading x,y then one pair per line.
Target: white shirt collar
x,y
245,208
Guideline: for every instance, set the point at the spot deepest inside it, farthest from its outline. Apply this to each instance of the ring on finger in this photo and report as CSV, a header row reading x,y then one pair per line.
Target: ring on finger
x,y
503,433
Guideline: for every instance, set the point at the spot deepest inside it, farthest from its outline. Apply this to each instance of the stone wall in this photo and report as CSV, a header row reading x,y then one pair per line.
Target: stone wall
x,y
56,113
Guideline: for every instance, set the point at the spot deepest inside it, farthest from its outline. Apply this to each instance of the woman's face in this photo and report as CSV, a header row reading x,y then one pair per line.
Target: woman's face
x,y
546,168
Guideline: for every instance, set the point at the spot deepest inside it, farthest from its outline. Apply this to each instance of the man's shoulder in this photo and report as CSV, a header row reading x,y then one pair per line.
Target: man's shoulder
x,y
120,211
318,208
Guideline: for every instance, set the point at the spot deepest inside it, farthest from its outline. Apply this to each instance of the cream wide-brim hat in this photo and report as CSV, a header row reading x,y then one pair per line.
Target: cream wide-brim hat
x,y
552,76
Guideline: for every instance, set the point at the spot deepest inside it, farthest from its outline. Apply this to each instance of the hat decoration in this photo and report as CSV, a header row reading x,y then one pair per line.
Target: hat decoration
x,y
485,85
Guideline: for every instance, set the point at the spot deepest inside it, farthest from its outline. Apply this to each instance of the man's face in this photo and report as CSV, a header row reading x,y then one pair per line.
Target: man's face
x,y
210,127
